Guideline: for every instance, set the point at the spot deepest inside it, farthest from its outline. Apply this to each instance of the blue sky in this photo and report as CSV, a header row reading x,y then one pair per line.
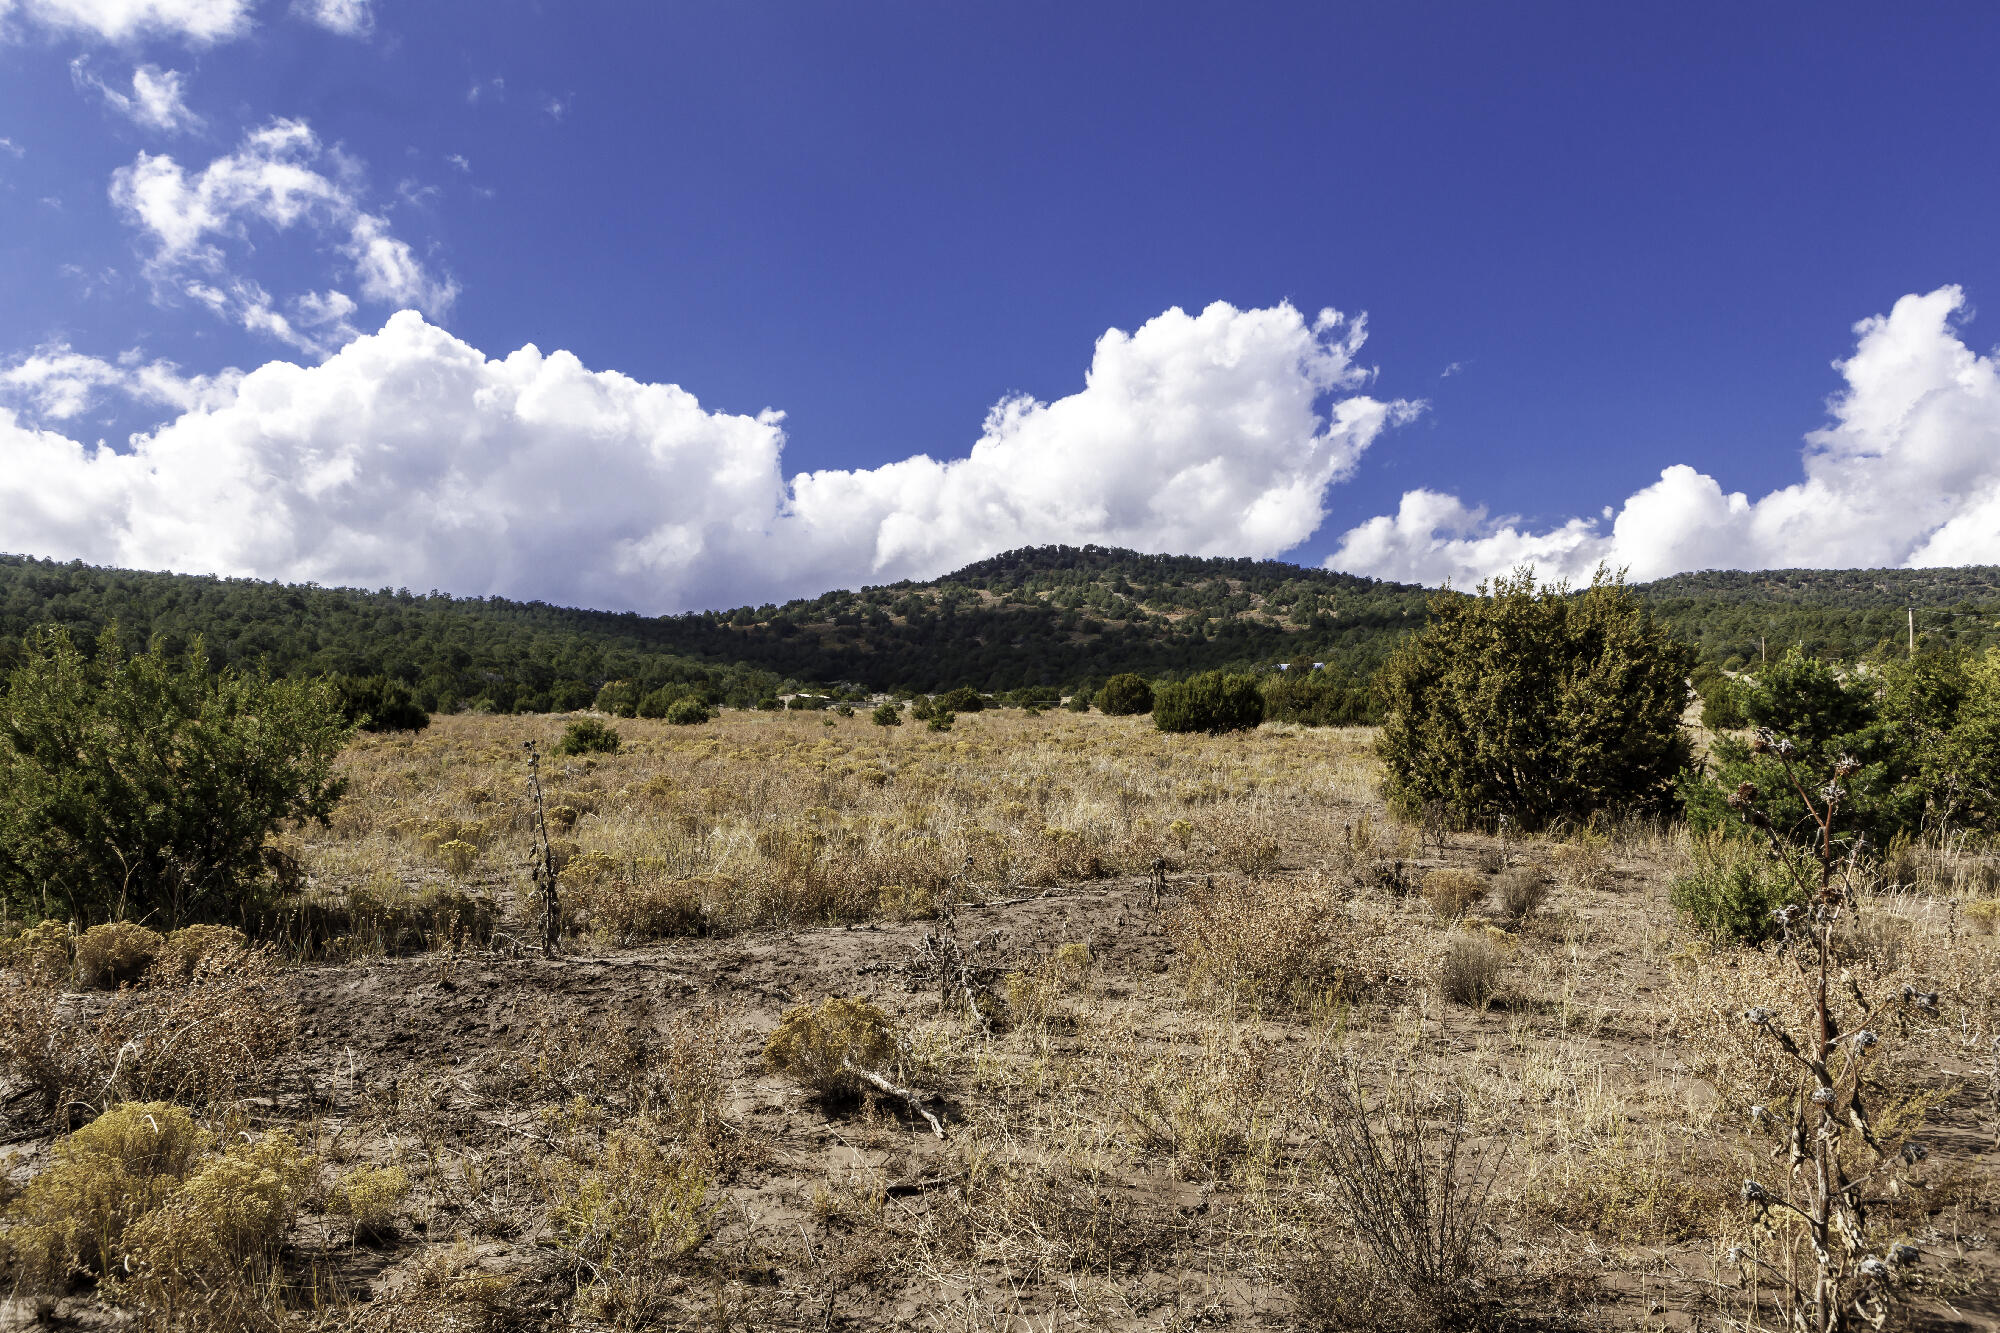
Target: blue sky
x,y
1593,244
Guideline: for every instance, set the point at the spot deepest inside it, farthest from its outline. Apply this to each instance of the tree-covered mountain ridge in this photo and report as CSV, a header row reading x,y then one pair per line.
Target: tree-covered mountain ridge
x,y
1053,617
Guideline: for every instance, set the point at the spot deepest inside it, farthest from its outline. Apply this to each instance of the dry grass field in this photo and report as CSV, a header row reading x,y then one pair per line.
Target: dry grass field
x,y
1207,977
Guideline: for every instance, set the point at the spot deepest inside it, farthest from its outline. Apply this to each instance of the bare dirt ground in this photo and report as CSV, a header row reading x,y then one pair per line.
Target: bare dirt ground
x,y
1130,1134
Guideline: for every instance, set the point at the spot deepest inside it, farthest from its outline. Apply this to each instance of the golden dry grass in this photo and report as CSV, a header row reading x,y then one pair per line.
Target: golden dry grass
x,y
1135,1128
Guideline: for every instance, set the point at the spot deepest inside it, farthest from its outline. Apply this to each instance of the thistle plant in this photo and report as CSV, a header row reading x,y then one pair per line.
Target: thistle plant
x,y
1836,1165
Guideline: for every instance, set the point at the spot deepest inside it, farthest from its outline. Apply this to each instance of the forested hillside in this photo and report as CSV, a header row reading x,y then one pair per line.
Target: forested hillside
x,y
1055,617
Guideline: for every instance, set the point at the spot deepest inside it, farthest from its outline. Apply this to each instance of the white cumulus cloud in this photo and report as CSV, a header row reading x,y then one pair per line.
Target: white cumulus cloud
x,y
349,18
409,457
157,100
1906,472
199,22
274,178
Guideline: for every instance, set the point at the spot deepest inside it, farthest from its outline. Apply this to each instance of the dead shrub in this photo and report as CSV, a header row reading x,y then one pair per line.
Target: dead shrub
x,y
220,1033
821,1047
1259,944
1452,892
1407,1242
1469,972
1521,892
115,954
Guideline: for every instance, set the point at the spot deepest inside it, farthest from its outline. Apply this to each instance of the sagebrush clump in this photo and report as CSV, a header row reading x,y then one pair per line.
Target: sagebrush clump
x,y
821,1047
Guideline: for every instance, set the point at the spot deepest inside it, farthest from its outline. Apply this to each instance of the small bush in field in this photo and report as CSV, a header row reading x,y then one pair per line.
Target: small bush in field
x,y
816,1046
1125,695
588,735
71,1219
1470,970
1256,944
193,947
888,715
1521,891
368,1196
964,699
41,952
1215,701
688,712
115,954
1451,892
939,720
1730,891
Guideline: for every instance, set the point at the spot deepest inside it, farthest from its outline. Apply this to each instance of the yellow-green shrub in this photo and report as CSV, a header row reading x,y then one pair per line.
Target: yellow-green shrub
x,y
368,1196
194,948
71,1219
41,952
813,1045
113,954
223,1222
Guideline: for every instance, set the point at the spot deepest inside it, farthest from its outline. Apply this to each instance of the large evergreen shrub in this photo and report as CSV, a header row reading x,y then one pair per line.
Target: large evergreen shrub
x,y
144,787
376,703
1214,701
1319,697
1536,703
1125,695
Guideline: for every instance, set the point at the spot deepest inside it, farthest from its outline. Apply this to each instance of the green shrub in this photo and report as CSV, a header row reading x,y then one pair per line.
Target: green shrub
x,y
1079,699
1722,704
588,735
619,698
147,786
1125,695
1214,701
688,712
1319,697
940,719
1824,712
115,954
376,703
888,715
1536,703
1730,891
964,699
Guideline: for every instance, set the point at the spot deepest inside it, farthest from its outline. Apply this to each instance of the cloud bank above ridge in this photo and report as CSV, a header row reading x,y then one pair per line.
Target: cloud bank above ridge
x,y
410,458
1907,472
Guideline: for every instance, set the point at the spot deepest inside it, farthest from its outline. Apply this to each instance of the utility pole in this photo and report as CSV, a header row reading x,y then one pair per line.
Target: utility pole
x,y
1913,631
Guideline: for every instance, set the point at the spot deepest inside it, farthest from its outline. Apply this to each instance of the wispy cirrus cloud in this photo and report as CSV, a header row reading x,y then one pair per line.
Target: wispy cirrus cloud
x,y
280,176
156,101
